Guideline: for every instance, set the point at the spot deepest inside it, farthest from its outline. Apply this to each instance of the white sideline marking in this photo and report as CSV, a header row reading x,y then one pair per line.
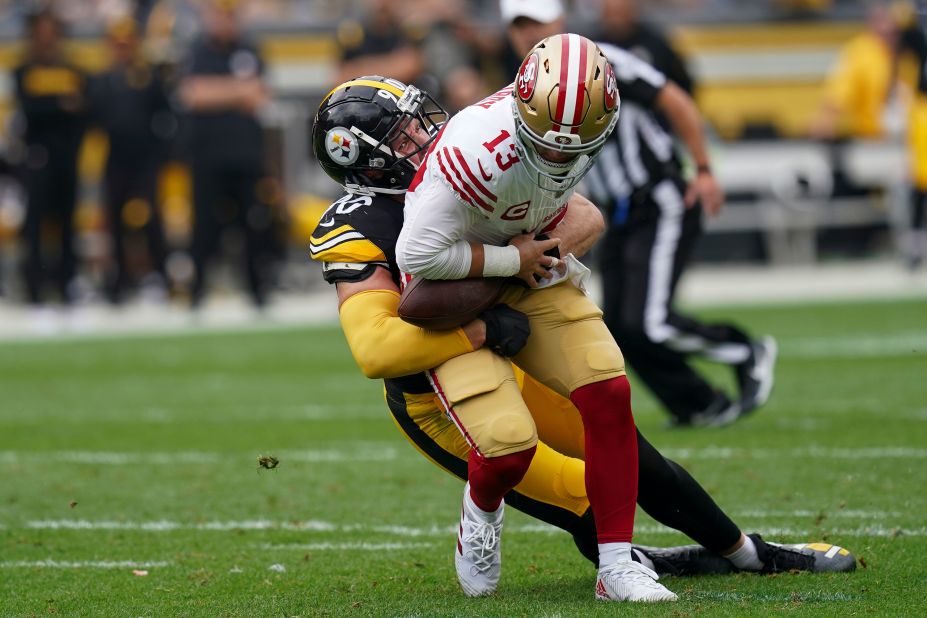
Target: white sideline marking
x,y
345,546
194,457
426,531
913,343
371,451
83,564
811,452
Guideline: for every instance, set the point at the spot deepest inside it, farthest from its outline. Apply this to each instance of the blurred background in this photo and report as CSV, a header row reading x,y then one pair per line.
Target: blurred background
x,y
114,125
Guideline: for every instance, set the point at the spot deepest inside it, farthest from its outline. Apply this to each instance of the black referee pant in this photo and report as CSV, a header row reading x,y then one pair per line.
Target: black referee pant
x,y
642,261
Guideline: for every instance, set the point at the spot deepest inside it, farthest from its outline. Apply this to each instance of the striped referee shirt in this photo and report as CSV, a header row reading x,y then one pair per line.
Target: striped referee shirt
x,y
640,152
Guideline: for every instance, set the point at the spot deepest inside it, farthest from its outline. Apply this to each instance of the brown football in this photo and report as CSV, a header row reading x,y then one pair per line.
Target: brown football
x,y
448,303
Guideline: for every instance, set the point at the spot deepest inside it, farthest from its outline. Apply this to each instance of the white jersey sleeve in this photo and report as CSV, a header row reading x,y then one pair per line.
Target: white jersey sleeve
x,y
473,188
431,243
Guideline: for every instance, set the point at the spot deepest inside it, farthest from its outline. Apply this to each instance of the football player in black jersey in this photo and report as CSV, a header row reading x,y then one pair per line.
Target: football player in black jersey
x,y
369,135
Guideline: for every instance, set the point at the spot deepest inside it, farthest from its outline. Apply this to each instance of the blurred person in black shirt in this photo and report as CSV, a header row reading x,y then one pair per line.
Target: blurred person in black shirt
x,y
380,45
129,102
223,89
621,26
51,98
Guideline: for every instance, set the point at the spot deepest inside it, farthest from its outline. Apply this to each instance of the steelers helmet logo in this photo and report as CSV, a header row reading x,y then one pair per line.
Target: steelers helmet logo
x,y
341,146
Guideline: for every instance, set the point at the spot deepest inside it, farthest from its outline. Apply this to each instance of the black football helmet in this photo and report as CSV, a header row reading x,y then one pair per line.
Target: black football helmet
x,y
357,124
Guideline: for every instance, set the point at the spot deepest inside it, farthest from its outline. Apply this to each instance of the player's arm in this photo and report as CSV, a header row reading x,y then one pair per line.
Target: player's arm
x,y
581,227
383,345
687,124
431,243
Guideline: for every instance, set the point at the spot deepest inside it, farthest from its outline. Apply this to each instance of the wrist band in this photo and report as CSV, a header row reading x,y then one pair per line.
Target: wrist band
x,y
500,261
703,169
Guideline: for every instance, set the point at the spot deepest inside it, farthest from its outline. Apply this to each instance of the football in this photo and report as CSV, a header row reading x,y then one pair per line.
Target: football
x,y
449,303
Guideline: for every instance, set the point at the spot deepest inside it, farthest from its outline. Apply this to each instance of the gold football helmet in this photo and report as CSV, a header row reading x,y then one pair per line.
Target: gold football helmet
x,y
566,105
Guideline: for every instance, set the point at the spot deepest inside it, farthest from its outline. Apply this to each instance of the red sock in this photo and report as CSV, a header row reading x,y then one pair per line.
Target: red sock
x,y
492,477
611,456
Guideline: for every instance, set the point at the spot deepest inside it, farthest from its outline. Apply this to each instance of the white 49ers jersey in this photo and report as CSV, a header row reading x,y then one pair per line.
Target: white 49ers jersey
x,y
472,187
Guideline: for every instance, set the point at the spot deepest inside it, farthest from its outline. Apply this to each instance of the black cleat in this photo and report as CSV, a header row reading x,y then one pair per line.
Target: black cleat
x,y
811,557
686,560
755,376
722,411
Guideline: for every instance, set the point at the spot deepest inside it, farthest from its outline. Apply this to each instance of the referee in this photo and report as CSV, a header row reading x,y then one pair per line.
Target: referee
x,y
654,220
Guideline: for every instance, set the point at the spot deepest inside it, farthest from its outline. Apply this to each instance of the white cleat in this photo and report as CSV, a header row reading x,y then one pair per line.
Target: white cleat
x,y
479,549
630,581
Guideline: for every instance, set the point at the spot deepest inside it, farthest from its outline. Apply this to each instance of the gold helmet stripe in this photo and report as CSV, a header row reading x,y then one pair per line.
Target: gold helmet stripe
x,y
366,82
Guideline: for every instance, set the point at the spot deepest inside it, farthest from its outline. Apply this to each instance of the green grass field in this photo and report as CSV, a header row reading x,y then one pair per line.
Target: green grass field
x,y
141,454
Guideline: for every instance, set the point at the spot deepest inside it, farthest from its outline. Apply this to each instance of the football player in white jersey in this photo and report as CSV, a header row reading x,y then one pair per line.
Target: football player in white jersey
x,y
501,173
371,147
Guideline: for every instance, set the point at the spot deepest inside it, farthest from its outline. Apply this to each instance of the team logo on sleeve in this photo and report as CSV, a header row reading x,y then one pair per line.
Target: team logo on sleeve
x,y
341,146
611,88
527,77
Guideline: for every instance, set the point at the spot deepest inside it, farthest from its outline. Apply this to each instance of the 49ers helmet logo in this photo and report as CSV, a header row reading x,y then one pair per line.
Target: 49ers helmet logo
x,y
611,88
527,77
341,146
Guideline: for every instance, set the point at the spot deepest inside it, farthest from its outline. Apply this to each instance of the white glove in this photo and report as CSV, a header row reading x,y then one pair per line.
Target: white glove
x,y
568,269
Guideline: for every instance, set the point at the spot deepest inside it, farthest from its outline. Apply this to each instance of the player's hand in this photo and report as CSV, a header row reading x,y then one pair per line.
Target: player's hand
x,y
534,264
706,189
507,330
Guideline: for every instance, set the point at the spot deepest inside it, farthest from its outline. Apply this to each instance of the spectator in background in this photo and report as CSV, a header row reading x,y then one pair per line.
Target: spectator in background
x,y
380,45
654,220
914,42
455,48
621,25
223,89
861,82
51,98
129,102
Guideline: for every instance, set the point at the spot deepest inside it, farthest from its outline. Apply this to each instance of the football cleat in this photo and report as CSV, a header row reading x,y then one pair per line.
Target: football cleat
x,y
721,412
812,557
686,560
630,581
478,558
755,376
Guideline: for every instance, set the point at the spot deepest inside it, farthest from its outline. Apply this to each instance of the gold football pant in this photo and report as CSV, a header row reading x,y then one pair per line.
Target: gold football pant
x,y
569,347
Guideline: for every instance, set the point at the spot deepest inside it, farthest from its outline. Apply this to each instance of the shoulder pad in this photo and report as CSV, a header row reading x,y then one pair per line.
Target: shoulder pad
x,y
343,232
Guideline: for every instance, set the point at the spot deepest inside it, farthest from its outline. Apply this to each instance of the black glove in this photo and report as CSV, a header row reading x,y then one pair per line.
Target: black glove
x,y
553,252
507,330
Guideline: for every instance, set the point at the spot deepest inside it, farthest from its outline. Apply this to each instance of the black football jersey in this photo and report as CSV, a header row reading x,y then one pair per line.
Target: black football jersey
x,y
356,235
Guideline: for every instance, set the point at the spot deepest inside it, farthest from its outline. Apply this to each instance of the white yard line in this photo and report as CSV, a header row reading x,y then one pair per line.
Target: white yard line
x,y
857,345
81,564
372,451
875,530
808,452
106,458
344,546
792,597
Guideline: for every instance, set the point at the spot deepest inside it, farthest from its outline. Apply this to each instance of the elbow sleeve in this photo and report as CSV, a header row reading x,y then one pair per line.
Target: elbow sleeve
x,y
384,346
